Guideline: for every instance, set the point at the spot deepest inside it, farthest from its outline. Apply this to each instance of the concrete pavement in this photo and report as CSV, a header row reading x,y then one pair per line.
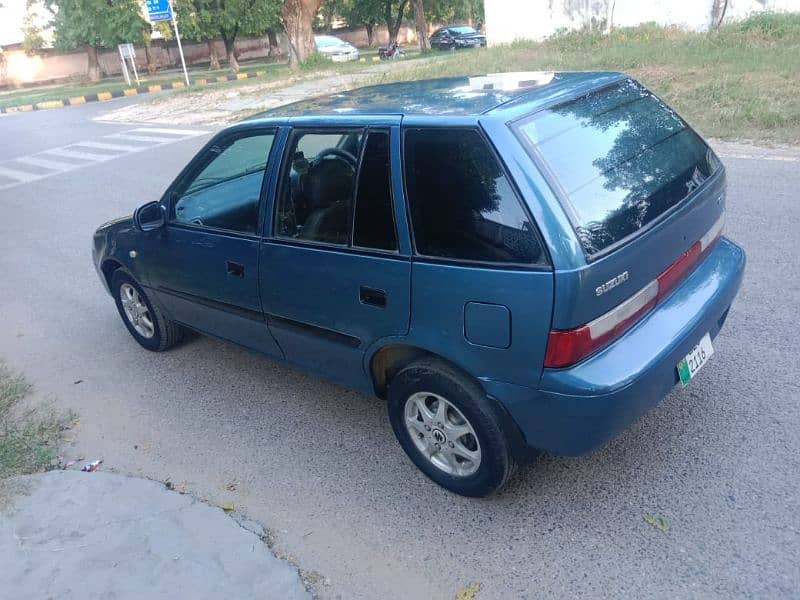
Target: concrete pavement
x,y
101,535
318,465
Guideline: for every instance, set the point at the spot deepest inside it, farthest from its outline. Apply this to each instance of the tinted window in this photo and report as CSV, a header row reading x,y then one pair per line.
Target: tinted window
x,y
462,205
373,222
225,193
463,29
622,158
316,198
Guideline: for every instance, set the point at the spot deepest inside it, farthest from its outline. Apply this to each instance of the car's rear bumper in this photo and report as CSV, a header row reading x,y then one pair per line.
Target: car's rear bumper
x,y
578,408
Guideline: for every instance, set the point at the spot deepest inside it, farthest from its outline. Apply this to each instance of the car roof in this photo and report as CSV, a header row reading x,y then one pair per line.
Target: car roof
x,y
452,96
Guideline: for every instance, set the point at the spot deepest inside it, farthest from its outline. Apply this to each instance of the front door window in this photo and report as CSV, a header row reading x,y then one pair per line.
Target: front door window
x,y
225,192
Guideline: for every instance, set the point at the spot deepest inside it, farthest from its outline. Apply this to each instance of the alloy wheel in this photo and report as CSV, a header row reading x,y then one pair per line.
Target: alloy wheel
x,y
136,311
442,434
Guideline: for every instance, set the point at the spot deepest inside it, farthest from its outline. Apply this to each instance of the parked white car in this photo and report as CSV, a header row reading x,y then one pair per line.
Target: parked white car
x,y
335,49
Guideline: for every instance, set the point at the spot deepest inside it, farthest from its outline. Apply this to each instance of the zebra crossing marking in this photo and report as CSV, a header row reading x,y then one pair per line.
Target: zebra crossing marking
x,y
12,169
141,138
21,176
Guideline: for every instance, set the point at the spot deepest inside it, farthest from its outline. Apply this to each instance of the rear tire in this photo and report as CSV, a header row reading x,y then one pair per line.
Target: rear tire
x,y
449,428
145,321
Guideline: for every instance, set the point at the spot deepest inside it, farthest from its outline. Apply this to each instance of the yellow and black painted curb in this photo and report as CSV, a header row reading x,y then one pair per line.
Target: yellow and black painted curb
x,y
134,91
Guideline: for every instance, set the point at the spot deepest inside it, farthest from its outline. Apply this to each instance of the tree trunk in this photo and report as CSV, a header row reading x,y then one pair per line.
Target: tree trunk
x,y
370,34
422,26
94,64
230,51
718,12
273,43
213,55
148,54
393,24
298,19
610,16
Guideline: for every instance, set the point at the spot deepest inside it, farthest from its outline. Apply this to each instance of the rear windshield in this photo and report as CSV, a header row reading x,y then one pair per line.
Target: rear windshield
x,y
621,157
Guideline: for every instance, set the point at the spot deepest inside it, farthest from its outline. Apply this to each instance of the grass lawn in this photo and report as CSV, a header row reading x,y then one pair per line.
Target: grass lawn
x,y
29,438
740,82
111,84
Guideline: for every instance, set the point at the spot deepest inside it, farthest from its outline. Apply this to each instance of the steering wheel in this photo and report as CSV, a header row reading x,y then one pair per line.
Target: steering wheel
x,y
339,154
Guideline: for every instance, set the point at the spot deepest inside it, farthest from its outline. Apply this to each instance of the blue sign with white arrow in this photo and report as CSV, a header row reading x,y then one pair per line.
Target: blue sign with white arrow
x,y
159,10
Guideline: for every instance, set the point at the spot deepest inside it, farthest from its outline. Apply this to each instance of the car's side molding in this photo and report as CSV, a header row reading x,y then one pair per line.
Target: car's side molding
x,y
245,313
270,319
329,334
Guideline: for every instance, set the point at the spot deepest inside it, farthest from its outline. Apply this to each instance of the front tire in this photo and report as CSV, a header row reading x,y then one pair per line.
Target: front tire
x,y
145,321
449,429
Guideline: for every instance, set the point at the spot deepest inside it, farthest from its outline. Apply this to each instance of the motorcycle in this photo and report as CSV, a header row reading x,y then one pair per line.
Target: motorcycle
x,y
391,51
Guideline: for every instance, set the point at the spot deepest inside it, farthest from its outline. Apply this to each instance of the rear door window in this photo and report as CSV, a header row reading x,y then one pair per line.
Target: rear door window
x,y
373,222
462,204
337,189
316,198
620,157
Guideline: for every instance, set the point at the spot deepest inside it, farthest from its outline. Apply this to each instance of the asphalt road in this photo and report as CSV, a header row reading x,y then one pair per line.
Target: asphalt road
x,y
318,463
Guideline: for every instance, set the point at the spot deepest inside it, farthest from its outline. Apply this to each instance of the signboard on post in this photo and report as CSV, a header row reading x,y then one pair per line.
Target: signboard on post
x,y
128,52
161,10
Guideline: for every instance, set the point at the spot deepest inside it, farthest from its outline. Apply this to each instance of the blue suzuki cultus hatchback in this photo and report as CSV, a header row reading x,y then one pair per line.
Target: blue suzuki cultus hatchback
x,y
514,262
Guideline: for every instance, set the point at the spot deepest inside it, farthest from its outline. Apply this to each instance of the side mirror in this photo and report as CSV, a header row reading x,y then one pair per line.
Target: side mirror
x,y
149,217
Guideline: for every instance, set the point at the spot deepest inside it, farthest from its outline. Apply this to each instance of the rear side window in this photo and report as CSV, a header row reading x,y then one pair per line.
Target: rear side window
x,y
621,157
462,204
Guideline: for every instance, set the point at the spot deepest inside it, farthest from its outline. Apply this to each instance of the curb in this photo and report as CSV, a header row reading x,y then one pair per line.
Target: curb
x,y
134,91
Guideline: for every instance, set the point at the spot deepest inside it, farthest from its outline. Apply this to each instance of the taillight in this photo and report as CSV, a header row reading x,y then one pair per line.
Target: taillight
x,y
566,347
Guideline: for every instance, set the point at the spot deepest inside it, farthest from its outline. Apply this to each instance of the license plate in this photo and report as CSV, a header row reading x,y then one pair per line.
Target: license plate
x,y
695,360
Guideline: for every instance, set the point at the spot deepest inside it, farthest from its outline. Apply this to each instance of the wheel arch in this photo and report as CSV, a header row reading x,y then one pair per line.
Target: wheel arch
x,y
387,360
109,267
390,358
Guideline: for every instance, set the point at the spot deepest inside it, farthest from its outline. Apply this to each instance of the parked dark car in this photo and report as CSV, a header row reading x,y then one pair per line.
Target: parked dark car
x,y
455,37
514,262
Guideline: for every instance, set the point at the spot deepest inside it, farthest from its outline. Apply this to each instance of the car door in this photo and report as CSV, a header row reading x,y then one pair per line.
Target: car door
x,y
205,264
335,276
482,284
446,39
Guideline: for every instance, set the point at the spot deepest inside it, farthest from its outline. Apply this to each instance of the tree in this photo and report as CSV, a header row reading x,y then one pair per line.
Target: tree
x,y
363,13
329,10
609,16
95,24
298,20
718,9
421,26
394,12
449,11
226,19
32,39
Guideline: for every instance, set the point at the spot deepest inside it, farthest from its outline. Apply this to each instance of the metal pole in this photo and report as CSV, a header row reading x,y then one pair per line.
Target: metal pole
x,y
133,64
180,48
124,67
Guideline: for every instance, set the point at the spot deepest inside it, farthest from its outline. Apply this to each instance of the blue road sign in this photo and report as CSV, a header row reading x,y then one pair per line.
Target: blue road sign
x,y
159,10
